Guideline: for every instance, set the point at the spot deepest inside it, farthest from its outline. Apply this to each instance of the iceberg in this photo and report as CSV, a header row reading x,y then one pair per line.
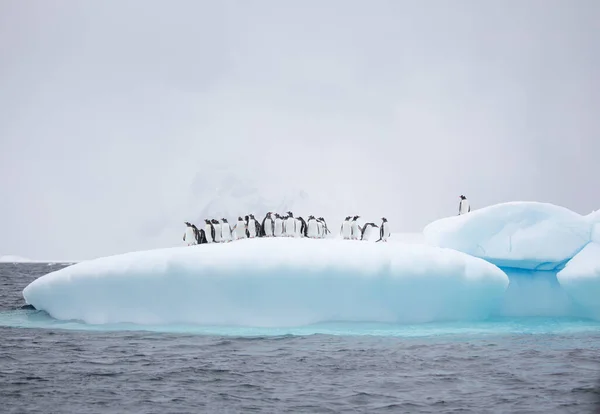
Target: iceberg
x,y
524,235
531,242
277,282
581,279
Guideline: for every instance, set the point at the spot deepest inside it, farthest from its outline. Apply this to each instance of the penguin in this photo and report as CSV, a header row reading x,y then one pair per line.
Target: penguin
x,y
209,229
463,207
355,229
303,227
267,225
239,229
252,228
226,235
367,231
200,235
384,230
325,228
313,228
289,226
218,234
346,230
278,226
189,236
320,229
247,220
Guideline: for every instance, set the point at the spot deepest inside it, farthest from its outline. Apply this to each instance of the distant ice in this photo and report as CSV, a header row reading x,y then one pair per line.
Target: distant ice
x,y
274,282
14,259
526,235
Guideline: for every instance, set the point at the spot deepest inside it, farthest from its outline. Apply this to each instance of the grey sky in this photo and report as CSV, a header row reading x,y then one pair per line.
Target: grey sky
x,y
121,119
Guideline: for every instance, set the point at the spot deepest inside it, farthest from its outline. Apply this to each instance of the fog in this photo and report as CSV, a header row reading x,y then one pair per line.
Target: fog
x,y
119,120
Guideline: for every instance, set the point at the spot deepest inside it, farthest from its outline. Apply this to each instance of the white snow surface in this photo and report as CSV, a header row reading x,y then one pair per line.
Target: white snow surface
x,y
581,278
272,282
528,235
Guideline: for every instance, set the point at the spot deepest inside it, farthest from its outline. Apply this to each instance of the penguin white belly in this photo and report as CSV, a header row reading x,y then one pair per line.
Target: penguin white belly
x,y
464,207
320,230
268,228
313,229
355,232
278,227
208,231
240,230
298,228
346,229
190,237
290,227
368,233
225,232
386,231
218,233
251,229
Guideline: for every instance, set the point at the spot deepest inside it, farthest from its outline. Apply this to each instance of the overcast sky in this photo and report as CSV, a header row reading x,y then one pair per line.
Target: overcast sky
x,y
112,112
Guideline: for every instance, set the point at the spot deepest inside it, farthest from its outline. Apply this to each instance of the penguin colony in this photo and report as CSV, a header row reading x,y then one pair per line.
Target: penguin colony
x,y
276,225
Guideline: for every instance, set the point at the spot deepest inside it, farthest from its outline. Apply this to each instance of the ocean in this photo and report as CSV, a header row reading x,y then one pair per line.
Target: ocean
x,y
522,365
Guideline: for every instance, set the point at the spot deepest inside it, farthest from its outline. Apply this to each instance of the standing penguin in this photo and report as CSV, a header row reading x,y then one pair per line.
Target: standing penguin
x,y
346,230
320,229
367,231
200,235
226,235
239,229
463,207
303,227
252,227
384,230
209,229
267,225
289,225
246,221
278,226
355,229
218,234
189,236
313,228
325,228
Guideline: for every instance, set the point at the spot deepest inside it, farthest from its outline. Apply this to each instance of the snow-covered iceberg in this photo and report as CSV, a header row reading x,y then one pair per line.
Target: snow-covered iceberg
x,y
274,282
531,242
524,235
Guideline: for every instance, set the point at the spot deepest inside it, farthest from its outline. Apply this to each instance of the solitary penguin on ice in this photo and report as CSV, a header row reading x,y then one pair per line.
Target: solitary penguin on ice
x,y
239,229
218,234
267,225
384,230
225,230
355,229
189,236
367,231
209,229
346,229
463,207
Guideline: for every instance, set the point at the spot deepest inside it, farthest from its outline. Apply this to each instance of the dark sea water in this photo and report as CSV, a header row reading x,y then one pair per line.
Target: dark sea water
x,y
502,366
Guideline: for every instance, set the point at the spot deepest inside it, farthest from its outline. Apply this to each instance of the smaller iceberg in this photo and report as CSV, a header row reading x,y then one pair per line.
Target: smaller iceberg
x,y
581,279
275,282
524,235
